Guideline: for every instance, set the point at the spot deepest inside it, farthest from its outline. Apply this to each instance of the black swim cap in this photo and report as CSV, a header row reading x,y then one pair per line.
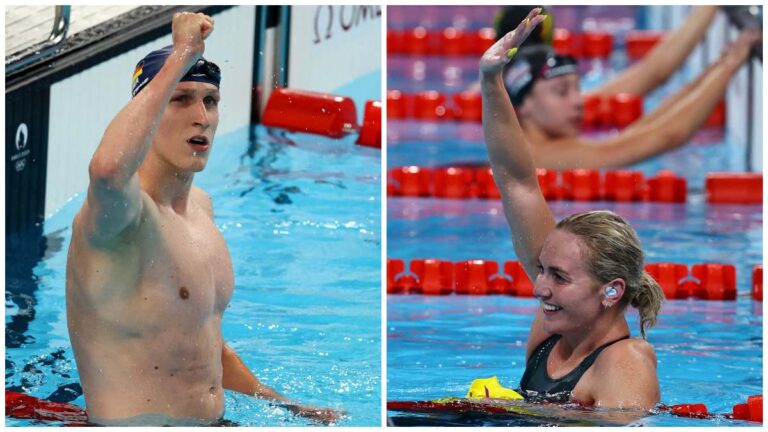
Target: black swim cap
x,y
509,17
149,66
533,63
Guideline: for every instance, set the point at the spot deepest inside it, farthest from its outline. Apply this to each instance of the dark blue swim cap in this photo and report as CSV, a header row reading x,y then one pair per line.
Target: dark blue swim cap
x,y
531,64
149,66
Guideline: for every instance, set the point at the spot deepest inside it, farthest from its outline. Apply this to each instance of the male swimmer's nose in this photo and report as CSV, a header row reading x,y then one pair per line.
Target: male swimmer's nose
x,y
201,115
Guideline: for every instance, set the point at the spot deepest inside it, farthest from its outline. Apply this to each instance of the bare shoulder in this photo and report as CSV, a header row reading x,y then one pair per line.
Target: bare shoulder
x,y
634,351
201,198
628,378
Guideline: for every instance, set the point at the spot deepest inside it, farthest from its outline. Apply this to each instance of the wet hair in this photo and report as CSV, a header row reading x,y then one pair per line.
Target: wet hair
x,y
509,17
613,251
531,64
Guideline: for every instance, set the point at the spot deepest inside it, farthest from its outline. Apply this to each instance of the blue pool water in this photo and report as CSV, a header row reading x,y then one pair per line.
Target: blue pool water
x,y
305,314
708,352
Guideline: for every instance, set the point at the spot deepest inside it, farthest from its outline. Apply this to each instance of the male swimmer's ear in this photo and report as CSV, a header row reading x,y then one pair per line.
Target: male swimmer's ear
x,y
511,52
611,292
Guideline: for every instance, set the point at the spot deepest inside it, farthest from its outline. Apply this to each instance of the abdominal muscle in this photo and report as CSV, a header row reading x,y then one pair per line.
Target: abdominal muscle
x,y
173,381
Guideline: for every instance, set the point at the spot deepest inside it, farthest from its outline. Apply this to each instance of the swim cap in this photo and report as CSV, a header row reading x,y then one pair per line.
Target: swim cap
x,y
533,63
509,17
149,66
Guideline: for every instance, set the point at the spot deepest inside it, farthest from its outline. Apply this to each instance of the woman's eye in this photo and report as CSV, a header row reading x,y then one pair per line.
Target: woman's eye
x,y
540,268
211,101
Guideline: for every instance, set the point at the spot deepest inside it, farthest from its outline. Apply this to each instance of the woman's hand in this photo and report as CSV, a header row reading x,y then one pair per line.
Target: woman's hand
x,y
504,49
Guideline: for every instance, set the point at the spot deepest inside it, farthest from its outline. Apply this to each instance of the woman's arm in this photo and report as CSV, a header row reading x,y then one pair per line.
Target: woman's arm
x,y
667,127
237,377
664,59
527,213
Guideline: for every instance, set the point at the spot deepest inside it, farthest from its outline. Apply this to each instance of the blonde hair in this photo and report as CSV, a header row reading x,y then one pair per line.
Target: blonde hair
x,y
613,251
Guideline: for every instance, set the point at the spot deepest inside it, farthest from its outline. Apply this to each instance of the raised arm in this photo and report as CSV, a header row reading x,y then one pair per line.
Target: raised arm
x,y
669,126
527,213
239,378
114,196
664,59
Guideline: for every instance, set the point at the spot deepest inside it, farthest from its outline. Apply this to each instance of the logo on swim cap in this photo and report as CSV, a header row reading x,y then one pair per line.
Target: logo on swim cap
x,y
137,73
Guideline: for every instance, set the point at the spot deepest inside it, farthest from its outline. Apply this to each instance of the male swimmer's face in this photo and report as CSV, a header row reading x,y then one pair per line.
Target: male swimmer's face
x,y
185,134
569,296
555,105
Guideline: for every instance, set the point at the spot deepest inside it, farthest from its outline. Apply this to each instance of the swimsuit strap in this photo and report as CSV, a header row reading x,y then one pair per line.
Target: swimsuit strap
x,y
536,382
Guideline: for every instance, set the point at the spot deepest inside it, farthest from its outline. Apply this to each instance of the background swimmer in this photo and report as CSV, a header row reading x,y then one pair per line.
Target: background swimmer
x,y
586,270
549,105
148,274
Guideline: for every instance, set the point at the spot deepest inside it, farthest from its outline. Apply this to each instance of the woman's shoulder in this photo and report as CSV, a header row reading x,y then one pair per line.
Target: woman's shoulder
x,y
636,352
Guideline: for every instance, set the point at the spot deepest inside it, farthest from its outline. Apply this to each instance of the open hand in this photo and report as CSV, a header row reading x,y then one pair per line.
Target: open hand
x,y
190,30
322,415
503,50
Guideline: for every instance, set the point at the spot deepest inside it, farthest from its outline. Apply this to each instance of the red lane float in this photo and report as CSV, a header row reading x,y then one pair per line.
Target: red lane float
x,y
394,268
625,109
435,277
412,181
578,185
667,187
567,43
310,112
398,105
716,281
453,182
395,41
757,282
482,277
624,186
750,411
430,105
597,44
521,283
22,406
640,42
582,184
469,106
716,118
734,188
416,42
472,276
669,277
486,184
370,132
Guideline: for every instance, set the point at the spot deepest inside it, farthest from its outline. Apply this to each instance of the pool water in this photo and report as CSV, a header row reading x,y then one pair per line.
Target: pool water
x,y
305,314
708,352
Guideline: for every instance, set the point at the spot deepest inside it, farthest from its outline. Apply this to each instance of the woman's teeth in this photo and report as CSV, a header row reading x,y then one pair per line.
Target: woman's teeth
x,y
549,307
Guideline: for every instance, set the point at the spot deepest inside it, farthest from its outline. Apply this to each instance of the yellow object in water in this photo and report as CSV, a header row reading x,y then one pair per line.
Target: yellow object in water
x,y
484,388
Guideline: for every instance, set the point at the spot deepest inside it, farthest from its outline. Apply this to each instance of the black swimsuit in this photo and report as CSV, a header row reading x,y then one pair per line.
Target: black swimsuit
x,y
538,386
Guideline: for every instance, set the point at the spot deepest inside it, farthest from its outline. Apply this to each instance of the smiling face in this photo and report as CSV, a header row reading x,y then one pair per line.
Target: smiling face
x,y
185,133
555,105
570,296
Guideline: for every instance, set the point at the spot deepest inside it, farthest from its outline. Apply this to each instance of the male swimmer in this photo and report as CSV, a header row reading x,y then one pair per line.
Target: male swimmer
x,y
148,273
544,88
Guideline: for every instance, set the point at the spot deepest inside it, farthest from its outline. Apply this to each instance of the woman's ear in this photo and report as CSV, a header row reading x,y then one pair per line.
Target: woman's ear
x,y
613,291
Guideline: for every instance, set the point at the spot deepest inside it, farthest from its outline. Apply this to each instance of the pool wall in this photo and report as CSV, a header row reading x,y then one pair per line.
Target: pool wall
x,y
100,92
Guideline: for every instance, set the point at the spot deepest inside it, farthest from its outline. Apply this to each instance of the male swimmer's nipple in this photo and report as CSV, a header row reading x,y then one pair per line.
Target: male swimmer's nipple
x,y
183,293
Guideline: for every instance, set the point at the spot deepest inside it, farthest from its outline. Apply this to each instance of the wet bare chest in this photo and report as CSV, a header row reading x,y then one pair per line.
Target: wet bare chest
x,y
186,268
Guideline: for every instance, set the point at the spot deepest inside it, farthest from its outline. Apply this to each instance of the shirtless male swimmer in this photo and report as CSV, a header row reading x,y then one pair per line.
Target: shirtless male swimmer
x,y
148,273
